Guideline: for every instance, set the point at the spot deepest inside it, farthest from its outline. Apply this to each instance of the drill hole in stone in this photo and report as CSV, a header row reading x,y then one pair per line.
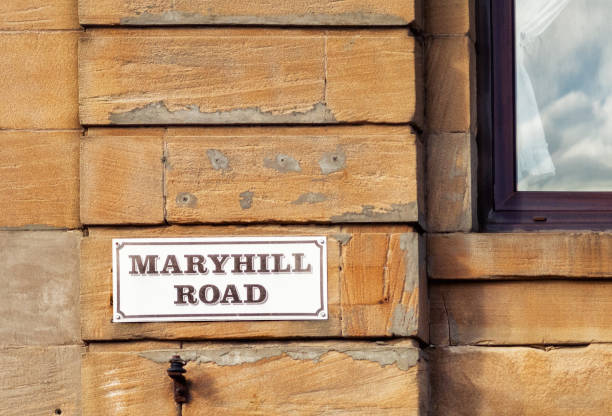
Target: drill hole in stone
x,y
58,411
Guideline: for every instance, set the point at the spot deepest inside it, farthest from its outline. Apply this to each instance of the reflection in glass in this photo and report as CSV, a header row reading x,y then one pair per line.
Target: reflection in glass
x,y
564,95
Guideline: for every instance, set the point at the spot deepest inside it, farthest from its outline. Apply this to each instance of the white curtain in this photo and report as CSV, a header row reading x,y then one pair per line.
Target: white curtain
x,y
533,158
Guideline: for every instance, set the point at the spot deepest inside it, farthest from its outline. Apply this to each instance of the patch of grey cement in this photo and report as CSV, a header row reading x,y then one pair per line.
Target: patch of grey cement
x,y
158,113
174,17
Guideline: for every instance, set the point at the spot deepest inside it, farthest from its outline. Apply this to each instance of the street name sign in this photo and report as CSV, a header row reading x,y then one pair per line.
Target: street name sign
x,y
219,279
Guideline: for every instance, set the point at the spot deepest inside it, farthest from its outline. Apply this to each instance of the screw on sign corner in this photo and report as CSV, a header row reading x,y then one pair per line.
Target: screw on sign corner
x,y
176,373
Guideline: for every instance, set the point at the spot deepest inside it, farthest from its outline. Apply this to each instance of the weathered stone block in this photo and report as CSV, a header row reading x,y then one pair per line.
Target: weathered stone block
x,y
396,270
357,378
39,184
40,381
502,255
469,381
519,312
248,76
122,180
451,182
451,84
39,80
254,12
37,15
338,175
449,17
39,273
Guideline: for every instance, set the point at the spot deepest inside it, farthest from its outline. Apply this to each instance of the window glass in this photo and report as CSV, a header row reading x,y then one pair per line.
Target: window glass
x,y
563,55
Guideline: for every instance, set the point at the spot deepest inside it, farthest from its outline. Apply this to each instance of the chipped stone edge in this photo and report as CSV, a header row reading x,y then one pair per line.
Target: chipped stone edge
x,y
370,213
405,319
404,358
342,238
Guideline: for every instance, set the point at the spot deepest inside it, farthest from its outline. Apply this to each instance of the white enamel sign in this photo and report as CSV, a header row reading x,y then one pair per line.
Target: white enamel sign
x,y
219,279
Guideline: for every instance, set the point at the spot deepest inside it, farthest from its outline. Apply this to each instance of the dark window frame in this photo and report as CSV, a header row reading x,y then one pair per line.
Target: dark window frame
x,y
500,206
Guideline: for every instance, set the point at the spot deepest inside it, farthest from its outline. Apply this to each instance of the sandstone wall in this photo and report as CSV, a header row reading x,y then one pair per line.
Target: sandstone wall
x,y
355,120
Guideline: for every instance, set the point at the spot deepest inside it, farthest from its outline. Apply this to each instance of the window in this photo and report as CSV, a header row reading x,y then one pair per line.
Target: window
x,y
545,114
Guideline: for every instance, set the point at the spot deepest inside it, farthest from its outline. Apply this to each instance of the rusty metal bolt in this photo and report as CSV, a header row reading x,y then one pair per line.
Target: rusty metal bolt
x,y
176,366
176,373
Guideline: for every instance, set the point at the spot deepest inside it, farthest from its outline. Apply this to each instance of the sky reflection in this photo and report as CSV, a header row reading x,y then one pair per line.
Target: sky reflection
x,y
569,66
